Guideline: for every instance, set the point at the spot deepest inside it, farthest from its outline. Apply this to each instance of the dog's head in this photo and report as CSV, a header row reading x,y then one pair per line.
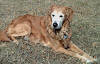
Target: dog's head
x,y
59,15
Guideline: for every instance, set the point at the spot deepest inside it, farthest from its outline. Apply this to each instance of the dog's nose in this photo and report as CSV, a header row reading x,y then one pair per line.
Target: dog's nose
x,y
55,24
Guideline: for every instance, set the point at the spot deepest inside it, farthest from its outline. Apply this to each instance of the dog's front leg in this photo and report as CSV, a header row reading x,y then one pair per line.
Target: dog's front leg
x,y
74,48
59,48
85,58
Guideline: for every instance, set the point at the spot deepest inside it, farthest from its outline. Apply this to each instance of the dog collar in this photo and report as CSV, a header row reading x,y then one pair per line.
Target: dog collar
x,y
65,36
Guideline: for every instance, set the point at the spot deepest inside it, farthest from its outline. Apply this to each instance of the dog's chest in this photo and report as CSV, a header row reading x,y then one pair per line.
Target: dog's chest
x,y
63,36
59,35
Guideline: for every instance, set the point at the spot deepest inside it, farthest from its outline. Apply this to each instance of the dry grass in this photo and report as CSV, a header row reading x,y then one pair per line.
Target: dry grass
x,y
85,26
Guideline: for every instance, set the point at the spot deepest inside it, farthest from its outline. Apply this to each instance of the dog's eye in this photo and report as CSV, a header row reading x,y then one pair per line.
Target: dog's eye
x,y
53,15
60,16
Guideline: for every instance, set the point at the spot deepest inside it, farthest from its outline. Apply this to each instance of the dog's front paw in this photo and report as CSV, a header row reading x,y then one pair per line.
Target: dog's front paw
x,y
26,38
15,41
91,62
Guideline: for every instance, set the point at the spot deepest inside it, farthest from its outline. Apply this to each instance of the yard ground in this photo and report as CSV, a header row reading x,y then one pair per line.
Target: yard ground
x,y
85,26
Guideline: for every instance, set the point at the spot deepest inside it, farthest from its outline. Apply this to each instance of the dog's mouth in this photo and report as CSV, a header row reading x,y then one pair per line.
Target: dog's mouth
x,y
56,29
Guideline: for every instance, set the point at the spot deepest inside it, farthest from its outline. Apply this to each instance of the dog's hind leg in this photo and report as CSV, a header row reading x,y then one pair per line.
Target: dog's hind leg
x,y
13,39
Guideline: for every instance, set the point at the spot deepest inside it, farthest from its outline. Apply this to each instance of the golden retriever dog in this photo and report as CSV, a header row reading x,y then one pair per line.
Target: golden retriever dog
x,y
52,30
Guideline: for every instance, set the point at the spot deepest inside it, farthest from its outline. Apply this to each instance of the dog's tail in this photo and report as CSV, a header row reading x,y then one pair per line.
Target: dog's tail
x,y
3,36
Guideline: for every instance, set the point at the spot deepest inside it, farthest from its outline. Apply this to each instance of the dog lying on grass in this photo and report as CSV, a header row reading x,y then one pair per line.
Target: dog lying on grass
x,y
52,30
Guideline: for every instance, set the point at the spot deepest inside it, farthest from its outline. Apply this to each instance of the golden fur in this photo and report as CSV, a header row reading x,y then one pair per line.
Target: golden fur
x,y
38,29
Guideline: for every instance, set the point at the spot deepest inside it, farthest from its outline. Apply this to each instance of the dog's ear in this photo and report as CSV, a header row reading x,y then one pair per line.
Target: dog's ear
x,y
69,13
